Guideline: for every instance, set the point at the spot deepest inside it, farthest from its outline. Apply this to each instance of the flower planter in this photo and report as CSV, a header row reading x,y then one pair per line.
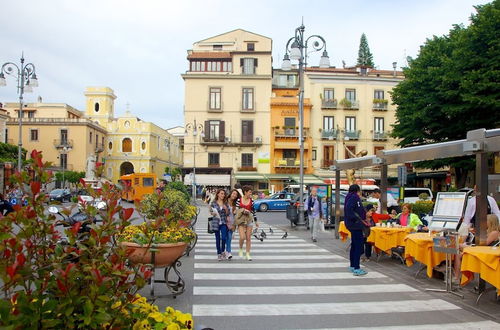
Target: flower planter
x,y
165,254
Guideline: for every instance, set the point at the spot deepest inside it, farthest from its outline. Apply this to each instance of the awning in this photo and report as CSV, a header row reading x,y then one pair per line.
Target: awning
x,y
249,176
278,176
208,179
308,179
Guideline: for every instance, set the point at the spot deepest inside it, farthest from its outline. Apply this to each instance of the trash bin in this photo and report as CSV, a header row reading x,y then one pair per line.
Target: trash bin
x,y
292,213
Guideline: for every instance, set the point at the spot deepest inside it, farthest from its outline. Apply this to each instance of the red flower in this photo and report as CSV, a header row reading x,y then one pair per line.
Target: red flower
x,y
20,259
7,253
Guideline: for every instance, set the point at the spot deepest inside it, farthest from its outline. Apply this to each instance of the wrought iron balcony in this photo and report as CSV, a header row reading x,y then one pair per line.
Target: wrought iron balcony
x,y
352,135
288,163
329,104
380,136
99,147
329,134
349,105
380,106
63,143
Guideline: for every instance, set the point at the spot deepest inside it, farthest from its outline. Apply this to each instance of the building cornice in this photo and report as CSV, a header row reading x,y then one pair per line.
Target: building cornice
x,y
57,122
226,76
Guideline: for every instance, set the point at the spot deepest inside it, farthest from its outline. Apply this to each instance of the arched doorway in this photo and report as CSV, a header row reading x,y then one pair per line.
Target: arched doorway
x,y
126,168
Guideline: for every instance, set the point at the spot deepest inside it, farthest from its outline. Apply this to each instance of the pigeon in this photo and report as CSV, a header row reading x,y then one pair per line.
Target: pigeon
x,y
284,235
254,231
263,234
259,238
271,230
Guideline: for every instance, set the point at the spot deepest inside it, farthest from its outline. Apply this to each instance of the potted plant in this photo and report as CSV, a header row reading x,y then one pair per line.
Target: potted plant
x,y
345,103
166,229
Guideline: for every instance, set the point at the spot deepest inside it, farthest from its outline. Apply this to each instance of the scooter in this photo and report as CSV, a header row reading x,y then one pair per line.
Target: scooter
x,y
79,216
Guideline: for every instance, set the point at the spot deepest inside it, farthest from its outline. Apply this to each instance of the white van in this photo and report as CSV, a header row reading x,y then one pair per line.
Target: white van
x,y
411,194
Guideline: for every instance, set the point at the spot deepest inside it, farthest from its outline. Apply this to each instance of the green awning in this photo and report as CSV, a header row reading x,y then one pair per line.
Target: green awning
x,y
278,176
249,176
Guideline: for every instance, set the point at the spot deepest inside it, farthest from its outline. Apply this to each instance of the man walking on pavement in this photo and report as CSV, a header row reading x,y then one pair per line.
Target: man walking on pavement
x,y
314,212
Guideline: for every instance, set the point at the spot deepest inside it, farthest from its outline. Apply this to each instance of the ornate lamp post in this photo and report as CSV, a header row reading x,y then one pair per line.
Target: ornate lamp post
x,y
26,80
194,128
296,49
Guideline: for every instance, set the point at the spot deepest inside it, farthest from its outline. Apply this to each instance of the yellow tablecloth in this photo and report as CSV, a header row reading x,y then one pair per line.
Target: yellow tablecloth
x,y
343,231
385,239
484,260
419,246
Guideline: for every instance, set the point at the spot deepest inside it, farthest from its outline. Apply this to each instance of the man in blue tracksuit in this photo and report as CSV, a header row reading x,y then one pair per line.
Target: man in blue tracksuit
x,y
354,213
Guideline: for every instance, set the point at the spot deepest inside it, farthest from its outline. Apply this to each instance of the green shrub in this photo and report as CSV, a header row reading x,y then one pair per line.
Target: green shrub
x,y
178,185
422,207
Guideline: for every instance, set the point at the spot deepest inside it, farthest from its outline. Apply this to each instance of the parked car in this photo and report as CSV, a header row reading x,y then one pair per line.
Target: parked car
x,y
84,197
60,195
412,194
276,202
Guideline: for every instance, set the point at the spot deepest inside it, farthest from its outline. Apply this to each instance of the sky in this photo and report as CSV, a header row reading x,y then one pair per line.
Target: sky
x,y
139,48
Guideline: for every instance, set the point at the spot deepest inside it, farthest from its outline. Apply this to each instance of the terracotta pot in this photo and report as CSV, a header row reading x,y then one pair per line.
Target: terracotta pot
x,y
165,254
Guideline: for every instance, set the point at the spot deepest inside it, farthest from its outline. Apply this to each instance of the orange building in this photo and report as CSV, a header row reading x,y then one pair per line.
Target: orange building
x,y
285,144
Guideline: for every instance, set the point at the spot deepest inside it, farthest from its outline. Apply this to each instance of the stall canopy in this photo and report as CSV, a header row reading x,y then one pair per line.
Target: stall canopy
x,y
209,179
365,184
308,179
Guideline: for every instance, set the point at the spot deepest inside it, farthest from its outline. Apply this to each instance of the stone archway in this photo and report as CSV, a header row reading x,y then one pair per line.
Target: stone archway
x,y
126,168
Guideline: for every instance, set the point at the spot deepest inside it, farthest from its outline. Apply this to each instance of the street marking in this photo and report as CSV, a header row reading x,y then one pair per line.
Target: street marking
x,y
259,245
295,290
213,256
386,307
483,325
256,265
268,239
284,276
265,249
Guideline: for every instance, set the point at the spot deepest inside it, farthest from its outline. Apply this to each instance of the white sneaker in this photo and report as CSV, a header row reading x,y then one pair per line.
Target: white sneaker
x,y
229,255
219,257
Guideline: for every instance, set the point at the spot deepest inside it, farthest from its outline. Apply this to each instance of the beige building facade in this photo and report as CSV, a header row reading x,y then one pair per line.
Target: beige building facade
x,y
227,99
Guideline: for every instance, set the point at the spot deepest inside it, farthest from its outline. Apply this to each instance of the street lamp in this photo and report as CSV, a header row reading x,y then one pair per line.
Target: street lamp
x,y
297,48
194,128
26,80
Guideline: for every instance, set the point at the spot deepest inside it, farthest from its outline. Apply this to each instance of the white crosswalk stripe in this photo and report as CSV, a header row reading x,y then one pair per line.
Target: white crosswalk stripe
x,y
299,281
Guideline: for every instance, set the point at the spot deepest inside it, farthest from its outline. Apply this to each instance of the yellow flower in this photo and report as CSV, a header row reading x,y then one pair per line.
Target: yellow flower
x,y
116,304
169,310
157,316
184,318
144,324
173,326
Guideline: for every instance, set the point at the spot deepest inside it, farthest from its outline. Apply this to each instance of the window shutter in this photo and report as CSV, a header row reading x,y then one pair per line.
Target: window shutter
x,y
207,130
255,62
222,131
250,131
241,61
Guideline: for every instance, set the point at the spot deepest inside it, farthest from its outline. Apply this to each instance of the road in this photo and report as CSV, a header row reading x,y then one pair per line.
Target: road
x,y
293,283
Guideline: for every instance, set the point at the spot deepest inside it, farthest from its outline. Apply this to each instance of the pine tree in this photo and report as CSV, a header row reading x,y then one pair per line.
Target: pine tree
x,y
365,57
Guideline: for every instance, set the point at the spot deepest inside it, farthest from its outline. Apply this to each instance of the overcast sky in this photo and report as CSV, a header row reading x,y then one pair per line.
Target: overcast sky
x,y
138,48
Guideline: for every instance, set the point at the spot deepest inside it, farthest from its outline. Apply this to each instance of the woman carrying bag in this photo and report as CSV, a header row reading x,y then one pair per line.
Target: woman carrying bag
x,y
220,212
244,219
233,196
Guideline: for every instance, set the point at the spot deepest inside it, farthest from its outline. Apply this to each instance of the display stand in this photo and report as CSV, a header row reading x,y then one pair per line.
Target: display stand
x,y
449,245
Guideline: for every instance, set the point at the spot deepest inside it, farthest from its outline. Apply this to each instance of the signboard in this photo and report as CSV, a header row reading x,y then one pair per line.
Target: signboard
x,y
263,158
448,210
402,175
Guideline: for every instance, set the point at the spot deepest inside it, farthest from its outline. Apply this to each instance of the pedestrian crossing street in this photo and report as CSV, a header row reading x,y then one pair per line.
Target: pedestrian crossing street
x,y
294,284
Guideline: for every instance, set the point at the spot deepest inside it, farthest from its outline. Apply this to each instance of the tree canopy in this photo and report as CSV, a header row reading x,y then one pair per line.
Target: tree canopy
x,y
452,86
365,57
8,153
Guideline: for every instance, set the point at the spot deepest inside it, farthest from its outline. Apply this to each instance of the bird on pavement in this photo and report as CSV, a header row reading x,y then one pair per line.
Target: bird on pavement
x,y
284,235
271,230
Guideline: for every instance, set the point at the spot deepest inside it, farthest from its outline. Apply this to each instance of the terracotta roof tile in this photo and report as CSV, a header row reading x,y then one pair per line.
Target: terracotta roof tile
x,y
207,55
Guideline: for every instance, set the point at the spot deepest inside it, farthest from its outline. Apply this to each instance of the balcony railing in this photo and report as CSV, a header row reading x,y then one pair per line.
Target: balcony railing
x,y
329,134
380,106
352,135
289,132
288,163
227,141
247,169
63,143
329,104
99,147
380,136
326,163
349,105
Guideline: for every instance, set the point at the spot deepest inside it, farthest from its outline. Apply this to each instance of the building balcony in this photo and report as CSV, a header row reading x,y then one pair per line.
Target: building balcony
x,y
349,105
288,163
329,134
329,104
326,163
352,135
227,141
380,136
99,147
247,169
291,132
63,143
380,105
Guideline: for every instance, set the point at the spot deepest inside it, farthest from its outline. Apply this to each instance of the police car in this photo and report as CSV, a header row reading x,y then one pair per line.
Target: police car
x,y
275,202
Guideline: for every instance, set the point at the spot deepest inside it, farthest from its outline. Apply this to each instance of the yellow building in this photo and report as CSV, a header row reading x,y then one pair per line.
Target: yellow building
x,y
227,94
132,145
61,132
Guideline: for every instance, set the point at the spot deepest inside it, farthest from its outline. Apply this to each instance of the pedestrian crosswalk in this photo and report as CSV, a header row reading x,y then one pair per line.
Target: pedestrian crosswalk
x,y
293,284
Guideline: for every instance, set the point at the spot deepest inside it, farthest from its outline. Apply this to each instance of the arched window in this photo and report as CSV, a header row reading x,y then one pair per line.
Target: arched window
x,y
110,145
143,145
96,107
126,145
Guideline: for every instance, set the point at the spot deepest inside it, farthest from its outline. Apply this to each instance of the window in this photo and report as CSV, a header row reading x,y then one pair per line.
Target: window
x,y
378,94
6,135
213,159
350,152
246,160
90,137
247,99
217,47
147,182
33,135
247,131
287,80
97,140
110,145
96,107
126,145
143,145
350,94
377,149
328,94
248,65
63,161
350,124
214,131
64,136
290,126
251,46
328,123
314,154
215,95
378,125
290,153
31,114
